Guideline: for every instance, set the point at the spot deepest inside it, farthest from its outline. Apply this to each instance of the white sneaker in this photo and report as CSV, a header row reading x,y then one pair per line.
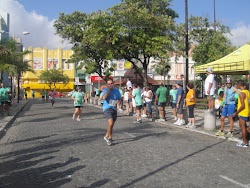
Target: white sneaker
x,y
181,122
175,118
144,115
73,117
178,121
188,125
78,119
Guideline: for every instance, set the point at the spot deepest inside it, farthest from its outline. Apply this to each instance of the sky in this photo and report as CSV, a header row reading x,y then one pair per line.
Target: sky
x,y
37,17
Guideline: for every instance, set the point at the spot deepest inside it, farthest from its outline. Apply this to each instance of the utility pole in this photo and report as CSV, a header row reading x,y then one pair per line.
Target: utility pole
x,y
214,17
187,48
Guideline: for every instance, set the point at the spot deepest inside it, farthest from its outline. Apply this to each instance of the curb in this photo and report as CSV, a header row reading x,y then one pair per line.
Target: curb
x,y
6,125
192,130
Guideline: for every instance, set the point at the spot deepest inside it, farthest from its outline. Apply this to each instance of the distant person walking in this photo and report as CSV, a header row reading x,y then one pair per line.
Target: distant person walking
x,y
210,88
111,97
161,97
190,102
138,102
179,103
4,95
33,94
172,95
78,103
52,95
228,108
243,112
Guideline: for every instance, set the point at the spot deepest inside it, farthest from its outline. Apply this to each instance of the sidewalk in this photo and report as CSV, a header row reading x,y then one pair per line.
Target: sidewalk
x,y
15,109
199,118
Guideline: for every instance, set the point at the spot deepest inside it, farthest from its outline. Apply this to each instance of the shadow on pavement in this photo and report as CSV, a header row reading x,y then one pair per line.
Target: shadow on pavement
x,y
98,183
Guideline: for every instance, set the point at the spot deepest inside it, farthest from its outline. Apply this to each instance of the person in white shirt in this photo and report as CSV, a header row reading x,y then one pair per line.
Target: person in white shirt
x,y
129,84
126,93
148,96
144,113
210,88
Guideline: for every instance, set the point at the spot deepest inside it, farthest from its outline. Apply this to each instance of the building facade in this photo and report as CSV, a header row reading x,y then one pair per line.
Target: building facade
x,y
43,59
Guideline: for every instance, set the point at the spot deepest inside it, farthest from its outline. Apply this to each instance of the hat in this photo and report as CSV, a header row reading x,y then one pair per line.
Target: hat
x,y
178,82
209,69
229,80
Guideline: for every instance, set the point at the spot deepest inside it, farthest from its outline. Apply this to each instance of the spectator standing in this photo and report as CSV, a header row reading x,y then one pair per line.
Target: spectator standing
x,y
172,95
243,112
129,84
4,94
148,96
126,101
130,97
33,94
121,103
111,97
161,97
25,94
144,109
210,88
179,103
43,95
138,102
222,87
190,102
47,95
228,108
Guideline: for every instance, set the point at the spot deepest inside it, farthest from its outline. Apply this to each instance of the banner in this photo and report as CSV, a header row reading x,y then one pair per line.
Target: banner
x,y
49,63
38,63
55,64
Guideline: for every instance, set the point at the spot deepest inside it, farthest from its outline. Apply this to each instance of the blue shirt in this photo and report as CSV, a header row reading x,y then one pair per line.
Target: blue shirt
x,y
112,99
179,93
229,95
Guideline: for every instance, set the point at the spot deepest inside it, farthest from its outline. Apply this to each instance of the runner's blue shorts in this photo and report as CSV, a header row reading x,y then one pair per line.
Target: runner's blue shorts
x,y
228,110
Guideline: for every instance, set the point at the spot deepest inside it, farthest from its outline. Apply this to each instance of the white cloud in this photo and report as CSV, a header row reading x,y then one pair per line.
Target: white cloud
x,y
42,32
240,34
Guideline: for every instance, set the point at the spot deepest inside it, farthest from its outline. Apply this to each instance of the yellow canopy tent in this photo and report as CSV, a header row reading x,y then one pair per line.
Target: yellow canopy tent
x,y
237,62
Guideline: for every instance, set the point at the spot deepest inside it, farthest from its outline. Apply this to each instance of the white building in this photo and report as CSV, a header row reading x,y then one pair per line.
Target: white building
x,y
4,24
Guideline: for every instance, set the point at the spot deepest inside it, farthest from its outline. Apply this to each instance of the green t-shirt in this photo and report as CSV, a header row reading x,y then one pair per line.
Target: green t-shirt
x,y
47,94
79,97
4,94
97,91
121,92
172,93
25,92
236,95
162,94
43,93
137,94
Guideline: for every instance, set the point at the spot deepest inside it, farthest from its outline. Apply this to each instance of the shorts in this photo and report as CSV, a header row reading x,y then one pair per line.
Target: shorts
x,y
33,95
110,113
4,102
125,101
78,106
180,109
228,110
42,97
130,100
191,111
173,105
144,105
210,97
162,104
53,100
139,107
244,118
149,107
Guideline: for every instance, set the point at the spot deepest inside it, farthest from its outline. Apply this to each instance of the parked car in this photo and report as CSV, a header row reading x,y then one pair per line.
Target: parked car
x,y
59,95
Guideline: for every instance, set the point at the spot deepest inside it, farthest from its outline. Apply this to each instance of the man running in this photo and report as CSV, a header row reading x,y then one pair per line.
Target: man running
x,y
161,97
52,94
4,94
243,112
78,103
228,108
172,94
138,102
111,97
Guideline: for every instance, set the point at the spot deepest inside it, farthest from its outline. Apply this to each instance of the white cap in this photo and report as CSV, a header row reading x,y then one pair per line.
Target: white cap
x,y
209,69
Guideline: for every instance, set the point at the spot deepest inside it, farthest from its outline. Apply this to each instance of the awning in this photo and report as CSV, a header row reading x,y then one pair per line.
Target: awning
x,y
237,62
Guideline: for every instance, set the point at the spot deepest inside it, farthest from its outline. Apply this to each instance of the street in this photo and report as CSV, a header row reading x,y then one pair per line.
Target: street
x,y
46,148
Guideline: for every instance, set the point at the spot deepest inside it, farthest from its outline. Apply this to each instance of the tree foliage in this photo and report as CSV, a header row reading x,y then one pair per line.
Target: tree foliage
x,y
53,76
162,68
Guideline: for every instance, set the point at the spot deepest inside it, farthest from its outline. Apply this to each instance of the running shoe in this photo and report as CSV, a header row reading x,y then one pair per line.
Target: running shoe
x,y
220,133
144,115
109,141
229,134
78,119
137,121
163,119
177,122
73,117
242,145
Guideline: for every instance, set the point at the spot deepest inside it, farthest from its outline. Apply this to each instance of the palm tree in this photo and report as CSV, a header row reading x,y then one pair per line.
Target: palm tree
x,y
162,68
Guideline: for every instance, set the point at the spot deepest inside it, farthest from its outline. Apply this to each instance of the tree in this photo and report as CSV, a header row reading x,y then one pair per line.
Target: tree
x,y
89,35
142,30
162,68
53,76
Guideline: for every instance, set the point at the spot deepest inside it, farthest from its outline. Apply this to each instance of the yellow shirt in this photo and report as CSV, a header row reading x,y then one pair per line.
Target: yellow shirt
x,y
189,94
245,112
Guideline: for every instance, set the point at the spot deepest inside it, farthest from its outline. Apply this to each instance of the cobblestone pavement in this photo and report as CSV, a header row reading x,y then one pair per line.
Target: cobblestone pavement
x,y
46,148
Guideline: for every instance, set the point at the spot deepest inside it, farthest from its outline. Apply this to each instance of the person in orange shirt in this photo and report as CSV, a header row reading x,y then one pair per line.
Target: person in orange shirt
x,y
190,102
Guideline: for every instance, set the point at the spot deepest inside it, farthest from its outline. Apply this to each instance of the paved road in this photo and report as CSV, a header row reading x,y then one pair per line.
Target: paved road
x,y
46,148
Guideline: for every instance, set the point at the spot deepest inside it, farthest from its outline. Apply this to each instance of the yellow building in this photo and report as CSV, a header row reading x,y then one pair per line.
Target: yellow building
x,y
44,59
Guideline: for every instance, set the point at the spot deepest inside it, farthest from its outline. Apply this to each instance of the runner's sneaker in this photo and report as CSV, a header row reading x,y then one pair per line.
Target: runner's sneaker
x,y
242,145
220,133
78,119
163,119
73,117
137,121
109,141
229,134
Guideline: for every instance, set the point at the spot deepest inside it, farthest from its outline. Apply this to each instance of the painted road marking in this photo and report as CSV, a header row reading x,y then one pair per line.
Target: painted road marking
x,y
235,182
